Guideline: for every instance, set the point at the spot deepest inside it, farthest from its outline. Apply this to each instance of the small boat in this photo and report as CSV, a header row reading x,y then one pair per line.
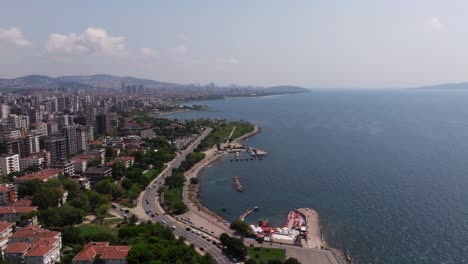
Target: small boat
x,y
256,208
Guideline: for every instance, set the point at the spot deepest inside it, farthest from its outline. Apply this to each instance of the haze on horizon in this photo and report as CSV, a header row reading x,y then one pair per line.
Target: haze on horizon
x,y
366,44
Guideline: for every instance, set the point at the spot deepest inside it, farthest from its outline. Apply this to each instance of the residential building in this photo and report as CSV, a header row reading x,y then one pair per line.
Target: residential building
x,y
33,160
13,214
69,133
67,166
107,254
57,147
9,164
95,174
8,194
42,175
82,138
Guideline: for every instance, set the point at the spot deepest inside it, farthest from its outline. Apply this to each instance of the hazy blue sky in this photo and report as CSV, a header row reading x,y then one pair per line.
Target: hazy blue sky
x,y
328,43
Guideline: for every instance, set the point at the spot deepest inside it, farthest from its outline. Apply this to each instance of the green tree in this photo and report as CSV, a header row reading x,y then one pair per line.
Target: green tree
x,y
110,153
250,261
28,188
274,261
291,261
193,180
118,170
241,227
71,235
65,215
48,195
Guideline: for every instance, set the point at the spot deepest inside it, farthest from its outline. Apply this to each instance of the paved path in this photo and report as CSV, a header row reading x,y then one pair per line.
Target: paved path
x,y
148,208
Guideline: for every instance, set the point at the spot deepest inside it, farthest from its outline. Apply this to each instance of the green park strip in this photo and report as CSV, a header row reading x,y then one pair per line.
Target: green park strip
x,y
263,255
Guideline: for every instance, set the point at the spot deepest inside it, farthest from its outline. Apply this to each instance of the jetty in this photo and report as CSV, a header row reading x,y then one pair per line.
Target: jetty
x,y
238,184
245,214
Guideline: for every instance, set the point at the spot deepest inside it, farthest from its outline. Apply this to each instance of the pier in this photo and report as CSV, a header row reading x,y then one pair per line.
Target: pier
x,y
238,184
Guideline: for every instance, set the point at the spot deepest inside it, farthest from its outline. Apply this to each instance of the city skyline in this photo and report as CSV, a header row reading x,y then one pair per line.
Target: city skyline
x,y
310,44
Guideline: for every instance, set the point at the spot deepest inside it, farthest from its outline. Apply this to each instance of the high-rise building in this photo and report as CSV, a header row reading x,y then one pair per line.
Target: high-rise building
x,y
105,123
56,146
69,133
5,111
90,113
61,104
19,121
82,138
29,144
9,163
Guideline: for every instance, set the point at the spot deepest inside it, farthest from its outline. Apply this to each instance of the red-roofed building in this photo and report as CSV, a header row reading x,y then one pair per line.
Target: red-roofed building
x,y
108,254
30,233
42,175
8,194
34,245
6,230
22,203
14,253
13,214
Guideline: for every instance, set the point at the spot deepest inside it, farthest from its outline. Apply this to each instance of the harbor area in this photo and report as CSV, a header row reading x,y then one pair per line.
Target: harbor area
x,y
301,229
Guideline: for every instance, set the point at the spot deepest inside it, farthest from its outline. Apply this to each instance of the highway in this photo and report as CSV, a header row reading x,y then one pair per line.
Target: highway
x,y
149,208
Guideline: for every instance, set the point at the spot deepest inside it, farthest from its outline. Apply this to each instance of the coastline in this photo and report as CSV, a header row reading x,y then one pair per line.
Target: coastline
x,y
317,241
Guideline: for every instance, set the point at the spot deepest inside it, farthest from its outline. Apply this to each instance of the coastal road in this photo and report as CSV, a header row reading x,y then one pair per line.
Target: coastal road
x,y
149,208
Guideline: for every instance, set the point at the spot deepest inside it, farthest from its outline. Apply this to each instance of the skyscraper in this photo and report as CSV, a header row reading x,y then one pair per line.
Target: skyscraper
x,y
56,146
69,133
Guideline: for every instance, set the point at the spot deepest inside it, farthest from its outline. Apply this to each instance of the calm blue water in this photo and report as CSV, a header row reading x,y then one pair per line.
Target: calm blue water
x,y
387,170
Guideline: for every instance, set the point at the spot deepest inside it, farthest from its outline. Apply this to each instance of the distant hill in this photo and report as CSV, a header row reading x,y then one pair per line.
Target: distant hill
x,y
105,81
285,89
446,86
38,81
111,81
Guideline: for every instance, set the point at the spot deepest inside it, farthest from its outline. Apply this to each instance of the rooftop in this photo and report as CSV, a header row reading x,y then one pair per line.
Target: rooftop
x,y
42,175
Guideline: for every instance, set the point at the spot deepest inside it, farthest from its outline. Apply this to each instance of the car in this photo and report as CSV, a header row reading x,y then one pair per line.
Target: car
x,y
152,215
208,239
164,222
198,233
114,205
202,249
157,213
147,202
147,212
214,243
127,211
203,236
188,229
121,209
173,227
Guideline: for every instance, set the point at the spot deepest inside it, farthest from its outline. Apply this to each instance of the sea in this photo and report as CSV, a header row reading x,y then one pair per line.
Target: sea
x,y
386,169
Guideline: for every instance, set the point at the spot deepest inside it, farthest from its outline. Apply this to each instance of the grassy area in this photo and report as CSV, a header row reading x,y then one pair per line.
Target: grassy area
x,y
151,174
242,130
173,200
93,229
128,204
263,255
222,130
112,221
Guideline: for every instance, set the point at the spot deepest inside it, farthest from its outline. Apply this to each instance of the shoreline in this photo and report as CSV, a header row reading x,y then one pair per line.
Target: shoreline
x,y
213,155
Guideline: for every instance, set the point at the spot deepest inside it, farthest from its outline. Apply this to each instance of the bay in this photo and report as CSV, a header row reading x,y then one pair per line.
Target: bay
x,y
387,170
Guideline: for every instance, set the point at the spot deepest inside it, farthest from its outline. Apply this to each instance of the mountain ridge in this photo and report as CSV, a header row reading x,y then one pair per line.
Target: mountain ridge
x,y
115,82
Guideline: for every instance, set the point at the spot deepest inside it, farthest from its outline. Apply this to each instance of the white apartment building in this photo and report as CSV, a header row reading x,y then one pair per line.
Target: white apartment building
x,y
9,164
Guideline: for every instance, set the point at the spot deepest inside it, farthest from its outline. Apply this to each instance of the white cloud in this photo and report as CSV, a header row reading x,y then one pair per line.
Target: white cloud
x,y
149,52
15,36
433,23
180,49
227,60
92,40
